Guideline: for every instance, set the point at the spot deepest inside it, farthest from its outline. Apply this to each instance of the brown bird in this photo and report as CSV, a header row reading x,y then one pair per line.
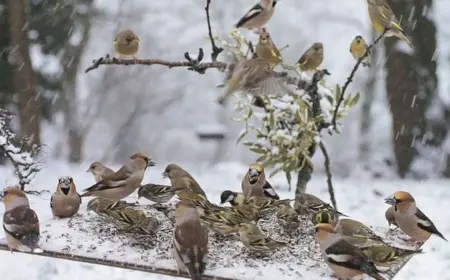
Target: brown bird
x,y
355,229
101,205
126,43
344,259
190,240
254,181
410,219
389,214
312,58
20,222
267,50
99,170
65,202
182,180
156,193
123,182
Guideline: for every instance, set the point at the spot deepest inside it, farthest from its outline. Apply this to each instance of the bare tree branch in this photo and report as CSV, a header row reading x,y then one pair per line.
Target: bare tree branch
x,y
328,172
192,65
215,50
350,78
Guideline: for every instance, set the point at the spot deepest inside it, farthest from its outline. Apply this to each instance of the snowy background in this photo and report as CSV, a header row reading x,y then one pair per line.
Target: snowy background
x,y
157,110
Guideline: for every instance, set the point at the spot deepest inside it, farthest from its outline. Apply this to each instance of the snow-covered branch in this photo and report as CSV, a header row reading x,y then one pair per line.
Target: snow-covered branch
x,y
22,160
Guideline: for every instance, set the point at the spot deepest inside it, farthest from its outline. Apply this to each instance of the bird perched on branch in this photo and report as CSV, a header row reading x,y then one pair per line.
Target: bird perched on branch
x,y
358,48
182,180
312,58
254,240
190,240
99,170
65,202
254,77
20,222
156,193
410,219
123,182
266,49
258,15
382,18
345,259
126,43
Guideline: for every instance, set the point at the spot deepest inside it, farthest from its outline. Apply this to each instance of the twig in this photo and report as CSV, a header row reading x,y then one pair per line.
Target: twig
x,y
37,192
328,172
107,60
112,263
350,78
215,50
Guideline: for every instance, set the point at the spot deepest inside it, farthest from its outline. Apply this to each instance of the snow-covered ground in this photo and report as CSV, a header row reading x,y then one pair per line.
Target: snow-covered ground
x,y
361,199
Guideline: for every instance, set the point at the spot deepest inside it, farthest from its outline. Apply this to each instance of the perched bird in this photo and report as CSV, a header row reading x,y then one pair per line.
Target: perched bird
x,y
254,240
410,219
382,17
20,222
344,259
312,58
99,170
358,48
253,181
190,240
233,198
65,202
389,214
258,15
384,255
182,180
248,212
123,182
156,193
266,49
101,205
355,229
254,77
287,213
223,222
264,203
126,43
132,220
318,210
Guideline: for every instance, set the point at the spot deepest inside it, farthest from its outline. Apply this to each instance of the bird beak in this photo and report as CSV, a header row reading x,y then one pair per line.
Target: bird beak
x,y
151,163
390,200
164,174
1,195
88,170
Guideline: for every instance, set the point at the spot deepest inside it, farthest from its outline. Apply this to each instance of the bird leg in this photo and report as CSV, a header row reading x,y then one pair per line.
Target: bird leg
x,y
135,60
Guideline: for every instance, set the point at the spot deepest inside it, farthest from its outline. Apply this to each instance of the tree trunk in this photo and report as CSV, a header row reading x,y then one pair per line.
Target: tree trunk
x,y
24,79
366,107
411,79
69,102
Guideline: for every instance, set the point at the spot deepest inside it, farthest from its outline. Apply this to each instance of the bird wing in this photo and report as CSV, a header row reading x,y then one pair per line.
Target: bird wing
x,y
388,15
20,221
304,58
269,191
253,12
344,254
191,244
116,179
426,224
192,185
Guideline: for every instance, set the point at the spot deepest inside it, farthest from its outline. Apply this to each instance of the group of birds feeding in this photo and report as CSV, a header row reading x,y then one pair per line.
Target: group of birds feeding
x,y
349,247
256,76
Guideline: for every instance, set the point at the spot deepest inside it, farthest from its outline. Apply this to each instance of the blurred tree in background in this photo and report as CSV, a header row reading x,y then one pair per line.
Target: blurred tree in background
x,y
58,28
411,84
